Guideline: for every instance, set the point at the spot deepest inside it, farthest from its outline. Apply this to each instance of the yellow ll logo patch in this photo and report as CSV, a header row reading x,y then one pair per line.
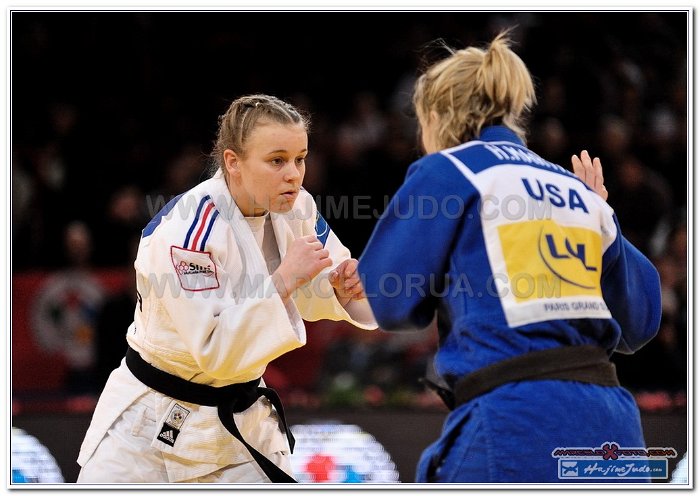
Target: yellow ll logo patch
x,y
547,260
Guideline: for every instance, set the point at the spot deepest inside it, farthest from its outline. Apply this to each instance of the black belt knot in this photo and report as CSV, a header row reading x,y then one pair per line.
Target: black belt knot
x,y
240,397
230,399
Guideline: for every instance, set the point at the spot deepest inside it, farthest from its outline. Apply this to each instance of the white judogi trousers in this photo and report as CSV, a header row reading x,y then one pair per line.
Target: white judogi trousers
x,y
138,462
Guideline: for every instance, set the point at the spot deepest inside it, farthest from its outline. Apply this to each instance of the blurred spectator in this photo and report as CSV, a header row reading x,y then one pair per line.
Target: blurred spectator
x,y
43,208
113,320
115,317
65,309
676,255
641,199
551,140
366,124
24,233
185,169
623,85
554,102
124,219
615,138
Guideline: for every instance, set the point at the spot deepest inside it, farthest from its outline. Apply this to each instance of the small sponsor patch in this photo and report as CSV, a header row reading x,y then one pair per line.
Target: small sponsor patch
x,y
177,416
545,259
173,422
195,269
168,434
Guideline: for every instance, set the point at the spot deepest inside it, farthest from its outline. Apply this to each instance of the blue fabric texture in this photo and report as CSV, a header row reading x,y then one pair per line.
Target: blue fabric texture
x,y
447,247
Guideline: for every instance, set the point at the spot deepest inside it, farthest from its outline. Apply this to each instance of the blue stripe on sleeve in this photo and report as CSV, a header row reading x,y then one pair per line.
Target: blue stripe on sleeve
x,y
322,229
155,221
196,220
206,234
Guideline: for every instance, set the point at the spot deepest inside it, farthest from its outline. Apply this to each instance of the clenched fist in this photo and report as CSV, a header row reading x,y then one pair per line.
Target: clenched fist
x,y
305,258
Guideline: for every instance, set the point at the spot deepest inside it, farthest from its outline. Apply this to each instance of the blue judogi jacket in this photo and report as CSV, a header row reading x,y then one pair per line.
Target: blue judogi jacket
x,y
512,254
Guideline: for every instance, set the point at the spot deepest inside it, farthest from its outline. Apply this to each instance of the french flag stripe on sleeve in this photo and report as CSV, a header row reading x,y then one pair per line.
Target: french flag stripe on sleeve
x,y
203,222
206,233
206,214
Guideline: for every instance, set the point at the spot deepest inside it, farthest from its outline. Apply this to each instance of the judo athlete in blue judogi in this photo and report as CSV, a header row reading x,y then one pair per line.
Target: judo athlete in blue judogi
x,y
524,267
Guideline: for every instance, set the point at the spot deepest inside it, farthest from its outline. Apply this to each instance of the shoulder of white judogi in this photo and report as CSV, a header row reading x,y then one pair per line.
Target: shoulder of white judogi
x,y
187,221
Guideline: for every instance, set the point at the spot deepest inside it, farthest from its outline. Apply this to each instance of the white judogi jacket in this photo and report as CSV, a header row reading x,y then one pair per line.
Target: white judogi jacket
x,y
209,313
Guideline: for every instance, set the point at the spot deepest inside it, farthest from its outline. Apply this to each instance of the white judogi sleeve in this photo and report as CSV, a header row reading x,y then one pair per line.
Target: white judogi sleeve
x,y
231,323
317,300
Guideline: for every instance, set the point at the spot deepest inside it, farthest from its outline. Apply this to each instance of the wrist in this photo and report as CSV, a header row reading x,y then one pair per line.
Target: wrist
x,y
343,300
281,286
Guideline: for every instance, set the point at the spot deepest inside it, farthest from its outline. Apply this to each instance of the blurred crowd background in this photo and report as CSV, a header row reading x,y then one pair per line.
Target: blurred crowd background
x,y
113,113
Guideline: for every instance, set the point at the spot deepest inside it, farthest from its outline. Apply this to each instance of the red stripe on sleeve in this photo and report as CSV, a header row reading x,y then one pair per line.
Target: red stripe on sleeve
x,y
202,223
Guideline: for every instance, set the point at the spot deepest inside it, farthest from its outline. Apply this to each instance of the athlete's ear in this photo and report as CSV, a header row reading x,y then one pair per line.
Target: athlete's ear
x,y
231,163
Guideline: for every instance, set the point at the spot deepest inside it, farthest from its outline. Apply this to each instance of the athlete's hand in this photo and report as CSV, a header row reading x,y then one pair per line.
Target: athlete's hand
x,y
590,172
305,258
346,281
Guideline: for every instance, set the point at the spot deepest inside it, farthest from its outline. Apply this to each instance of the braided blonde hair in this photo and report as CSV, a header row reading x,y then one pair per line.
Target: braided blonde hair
x,y
243,115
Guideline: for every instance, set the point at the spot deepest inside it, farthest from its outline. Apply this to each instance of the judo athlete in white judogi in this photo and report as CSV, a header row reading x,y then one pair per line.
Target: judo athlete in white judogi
x,y
226,274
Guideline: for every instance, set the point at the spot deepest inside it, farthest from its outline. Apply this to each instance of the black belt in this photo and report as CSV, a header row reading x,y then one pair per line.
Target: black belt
x,y
585,363
228,400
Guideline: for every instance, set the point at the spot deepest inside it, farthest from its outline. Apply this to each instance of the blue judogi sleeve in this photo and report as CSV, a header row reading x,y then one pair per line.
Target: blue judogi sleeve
x,y
632,291
407,255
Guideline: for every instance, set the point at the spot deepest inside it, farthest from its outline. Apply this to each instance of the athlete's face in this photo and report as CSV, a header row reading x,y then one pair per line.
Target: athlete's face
x,y
270,174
